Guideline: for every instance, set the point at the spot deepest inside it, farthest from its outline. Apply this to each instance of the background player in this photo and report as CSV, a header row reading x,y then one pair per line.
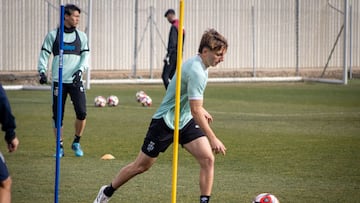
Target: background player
x,y
75,62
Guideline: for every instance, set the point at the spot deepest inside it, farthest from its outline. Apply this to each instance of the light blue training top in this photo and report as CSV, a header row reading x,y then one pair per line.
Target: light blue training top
x,y
71,62
194,77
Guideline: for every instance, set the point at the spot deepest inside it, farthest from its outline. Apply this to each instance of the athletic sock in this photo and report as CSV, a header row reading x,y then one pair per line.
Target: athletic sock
x,y
61,144
204,199
76,139
109,190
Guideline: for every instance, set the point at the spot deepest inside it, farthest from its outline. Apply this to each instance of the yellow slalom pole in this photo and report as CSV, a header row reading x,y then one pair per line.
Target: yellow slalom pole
x,y
177,102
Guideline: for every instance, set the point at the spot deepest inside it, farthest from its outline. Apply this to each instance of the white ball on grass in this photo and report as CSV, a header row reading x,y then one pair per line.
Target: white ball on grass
x,y
146,101
265,198
139,95
99,101
112,100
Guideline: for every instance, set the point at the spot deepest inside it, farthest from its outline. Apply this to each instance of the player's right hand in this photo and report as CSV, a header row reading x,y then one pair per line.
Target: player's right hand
x,y
77,77
43,78
13,145
217,146
167,60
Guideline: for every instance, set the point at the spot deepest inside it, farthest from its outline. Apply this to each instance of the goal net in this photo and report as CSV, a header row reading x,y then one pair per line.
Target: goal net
x,y
322,51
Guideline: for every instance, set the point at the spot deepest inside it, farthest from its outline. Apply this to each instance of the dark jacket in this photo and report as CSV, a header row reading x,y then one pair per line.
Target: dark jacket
x,y
173,40
7,120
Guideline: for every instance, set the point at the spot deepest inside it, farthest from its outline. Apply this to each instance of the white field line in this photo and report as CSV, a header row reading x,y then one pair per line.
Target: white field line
x,y
305,114
159,81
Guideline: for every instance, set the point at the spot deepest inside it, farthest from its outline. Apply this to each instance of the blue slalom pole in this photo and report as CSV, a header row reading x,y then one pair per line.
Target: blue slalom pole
x,y
59,104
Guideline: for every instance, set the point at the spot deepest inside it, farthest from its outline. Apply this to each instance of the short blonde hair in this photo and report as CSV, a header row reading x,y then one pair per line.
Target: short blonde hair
x,y
212,40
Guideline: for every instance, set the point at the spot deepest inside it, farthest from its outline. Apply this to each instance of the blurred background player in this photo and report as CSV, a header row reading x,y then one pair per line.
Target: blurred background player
x,y
8,125
171,56
196,135
75,63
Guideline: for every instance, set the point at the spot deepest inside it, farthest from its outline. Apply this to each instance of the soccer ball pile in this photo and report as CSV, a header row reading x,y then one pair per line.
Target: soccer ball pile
x,y
101,101
265,198
143,98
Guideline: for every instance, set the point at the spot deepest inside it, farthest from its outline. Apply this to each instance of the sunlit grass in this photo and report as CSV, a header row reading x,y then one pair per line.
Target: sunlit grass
x,y
299,141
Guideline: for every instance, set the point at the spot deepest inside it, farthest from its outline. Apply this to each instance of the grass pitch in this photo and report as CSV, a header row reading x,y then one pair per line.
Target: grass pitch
x,y
299,141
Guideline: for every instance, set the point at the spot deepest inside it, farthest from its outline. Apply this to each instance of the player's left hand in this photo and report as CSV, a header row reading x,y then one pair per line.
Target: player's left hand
x,y
77,77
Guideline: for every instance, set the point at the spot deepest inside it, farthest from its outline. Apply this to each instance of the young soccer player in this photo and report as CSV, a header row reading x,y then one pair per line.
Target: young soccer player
x,y
195,135
75,62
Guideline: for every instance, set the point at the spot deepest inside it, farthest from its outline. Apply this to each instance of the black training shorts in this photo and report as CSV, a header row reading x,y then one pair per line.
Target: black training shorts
x,y
4,173
159,136
78,98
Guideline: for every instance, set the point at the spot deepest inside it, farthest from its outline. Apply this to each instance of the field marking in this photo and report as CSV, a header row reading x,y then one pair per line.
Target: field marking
x,y
305,114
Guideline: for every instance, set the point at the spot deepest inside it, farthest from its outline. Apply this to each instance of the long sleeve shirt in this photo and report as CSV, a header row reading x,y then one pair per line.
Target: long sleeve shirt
x,y
75,57
7,119
173,40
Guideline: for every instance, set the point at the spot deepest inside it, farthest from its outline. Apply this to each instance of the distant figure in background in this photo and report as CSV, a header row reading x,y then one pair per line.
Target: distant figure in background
x,y
171,56
75,62
7,121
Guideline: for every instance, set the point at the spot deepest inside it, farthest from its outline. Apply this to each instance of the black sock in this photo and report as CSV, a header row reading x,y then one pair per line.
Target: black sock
x,y
109,190
204,199
76,139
